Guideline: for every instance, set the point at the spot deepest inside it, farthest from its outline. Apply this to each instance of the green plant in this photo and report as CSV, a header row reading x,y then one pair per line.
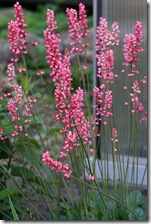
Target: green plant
x,y
53,161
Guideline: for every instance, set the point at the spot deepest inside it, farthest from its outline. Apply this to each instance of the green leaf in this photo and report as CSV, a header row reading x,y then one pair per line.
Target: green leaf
x,y
32,85
139,212
32,142
15,216
7,192
23,172
3,102
63,217
139,198
28,175
17,205
134,195
4,206
7,126
37,95
25,83
63,205
28,142
5,148
54,130
99,201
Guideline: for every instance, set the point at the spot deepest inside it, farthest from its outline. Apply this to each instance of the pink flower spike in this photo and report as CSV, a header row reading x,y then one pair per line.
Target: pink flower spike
x,y
17,33
52,24
83,21
131,46
114,135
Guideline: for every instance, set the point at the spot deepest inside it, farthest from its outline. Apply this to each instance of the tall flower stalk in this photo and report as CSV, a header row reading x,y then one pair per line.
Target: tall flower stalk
x,y
69,106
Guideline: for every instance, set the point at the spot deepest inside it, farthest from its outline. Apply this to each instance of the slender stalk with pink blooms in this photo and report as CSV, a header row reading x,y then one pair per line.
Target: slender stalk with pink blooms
x,y
17,33
69,106
105,39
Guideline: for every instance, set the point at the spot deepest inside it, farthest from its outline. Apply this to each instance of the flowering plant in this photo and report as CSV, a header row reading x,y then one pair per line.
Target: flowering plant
x,y
24,138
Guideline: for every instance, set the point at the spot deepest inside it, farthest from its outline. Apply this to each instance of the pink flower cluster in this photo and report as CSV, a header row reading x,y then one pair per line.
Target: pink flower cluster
x,y
131,46
56,165
78,28
114,135
105,56
16,100
29,102
17,33
103,105
137,105
105,37
114,138
105,40
15,103
69,107
91,177
52,24
131,50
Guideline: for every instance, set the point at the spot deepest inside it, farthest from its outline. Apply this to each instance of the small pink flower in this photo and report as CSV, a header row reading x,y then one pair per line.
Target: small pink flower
x,y
62,154
114,135
130,75
92,150
143,81
34,43
90,177
40,72
131,46
17,33
67,175
85,67
105,122
78,28
21,69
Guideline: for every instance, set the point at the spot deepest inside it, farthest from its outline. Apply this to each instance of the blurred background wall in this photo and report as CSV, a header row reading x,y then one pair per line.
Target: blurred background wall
x,y
126,13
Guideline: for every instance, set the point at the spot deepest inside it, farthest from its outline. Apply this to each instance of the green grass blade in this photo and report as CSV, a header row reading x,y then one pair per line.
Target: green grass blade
x,y
15,216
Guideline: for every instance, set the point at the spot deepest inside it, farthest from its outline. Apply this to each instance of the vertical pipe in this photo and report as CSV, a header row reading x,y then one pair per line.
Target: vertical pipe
x,y
97,13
